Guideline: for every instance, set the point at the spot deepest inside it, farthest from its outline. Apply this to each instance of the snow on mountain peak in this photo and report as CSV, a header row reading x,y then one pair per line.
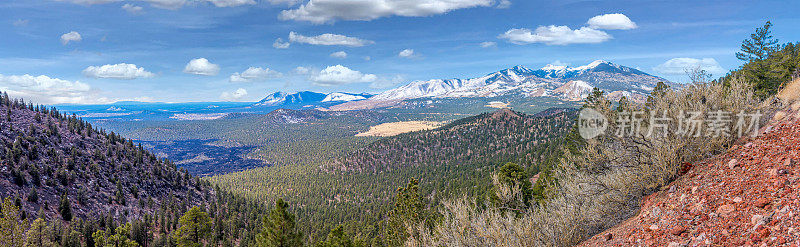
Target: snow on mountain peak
x,y
589,66
343,97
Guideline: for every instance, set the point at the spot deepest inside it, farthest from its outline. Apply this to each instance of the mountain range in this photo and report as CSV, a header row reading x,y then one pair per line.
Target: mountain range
x,y
568,83
308,98
563,82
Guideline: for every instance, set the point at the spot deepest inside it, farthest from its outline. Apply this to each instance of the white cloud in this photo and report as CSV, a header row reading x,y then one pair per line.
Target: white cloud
x,y
300,70
555,35
167,4
20,22
387,83
322,11
201,66
407,53
133,9
287,2
611,22
70,37
231,3
279,44
339,54
254,74
679,66
233,96
45,90
122,71
90,2
488,44
503,4
329,39
339,75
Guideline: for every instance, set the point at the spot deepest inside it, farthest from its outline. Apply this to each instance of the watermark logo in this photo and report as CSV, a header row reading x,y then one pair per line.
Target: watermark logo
x,y
591,123
697,124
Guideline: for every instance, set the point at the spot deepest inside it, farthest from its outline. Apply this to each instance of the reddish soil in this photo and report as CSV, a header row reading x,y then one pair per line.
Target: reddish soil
x,y
749,196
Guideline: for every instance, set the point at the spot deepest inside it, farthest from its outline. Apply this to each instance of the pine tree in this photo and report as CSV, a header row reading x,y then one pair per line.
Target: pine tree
x,y
755,51
279,228
409,210
12,227
512,189
37,235
65,208
338,238
194,227
759,46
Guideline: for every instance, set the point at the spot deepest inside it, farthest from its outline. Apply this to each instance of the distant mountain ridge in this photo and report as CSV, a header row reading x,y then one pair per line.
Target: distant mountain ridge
x,y
303,98
547,81
559,81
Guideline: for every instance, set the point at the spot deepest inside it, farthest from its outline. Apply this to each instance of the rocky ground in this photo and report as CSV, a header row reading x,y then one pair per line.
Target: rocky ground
x,y
749,196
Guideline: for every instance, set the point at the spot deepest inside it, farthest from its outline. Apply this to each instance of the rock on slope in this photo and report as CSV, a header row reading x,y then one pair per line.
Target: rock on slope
x,y
749,196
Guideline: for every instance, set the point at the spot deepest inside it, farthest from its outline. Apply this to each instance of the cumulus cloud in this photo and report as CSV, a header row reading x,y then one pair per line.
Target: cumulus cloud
x,y
201,66
280,44
611,22
488,44
70,37
122,71
555,35
339,54
326,11
564,35
340,75
231,3
45,90
133,9
167,4
254,74
503,4
90,2
300,70
679,66
233,96
407,53
329,39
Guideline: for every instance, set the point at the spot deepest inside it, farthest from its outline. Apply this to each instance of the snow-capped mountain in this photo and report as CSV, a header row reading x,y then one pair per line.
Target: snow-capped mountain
x,y
308,98
574,90
565,82
299,98
345,97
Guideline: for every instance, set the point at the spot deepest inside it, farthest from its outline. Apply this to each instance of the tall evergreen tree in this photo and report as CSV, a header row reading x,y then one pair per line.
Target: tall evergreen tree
x,y
337,238
194,227
65,208
12,227
759,46
279,228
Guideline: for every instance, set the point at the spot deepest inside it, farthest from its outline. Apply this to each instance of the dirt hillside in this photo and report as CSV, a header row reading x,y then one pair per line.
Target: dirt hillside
x,y
748,196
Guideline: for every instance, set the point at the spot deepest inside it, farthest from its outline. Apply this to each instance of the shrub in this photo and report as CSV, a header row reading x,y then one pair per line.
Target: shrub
x,y
601,184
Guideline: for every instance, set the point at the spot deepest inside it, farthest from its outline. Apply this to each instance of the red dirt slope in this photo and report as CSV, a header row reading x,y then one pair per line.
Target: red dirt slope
x,y
749,196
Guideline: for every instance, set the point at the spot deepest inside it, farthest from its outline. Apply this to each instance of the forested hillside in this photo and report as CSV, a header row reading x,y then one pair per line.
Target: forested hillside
x,y
503,135
456,159
65,183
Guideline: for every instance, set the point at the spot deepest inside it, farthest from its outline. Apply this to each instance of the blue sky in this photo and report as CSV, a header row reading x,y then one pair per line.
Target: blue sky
x,y
101,51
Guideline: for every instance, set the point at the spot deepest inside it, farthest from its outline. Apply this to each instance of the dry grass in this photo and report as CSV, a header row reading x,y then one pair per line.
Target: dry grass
x,y
396,128
497,104
602,186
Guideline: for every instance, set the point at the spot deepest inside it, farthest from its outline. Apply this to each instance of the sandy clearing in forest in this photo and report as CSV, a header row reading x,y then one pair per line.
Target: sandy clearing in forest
x,y
396,128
